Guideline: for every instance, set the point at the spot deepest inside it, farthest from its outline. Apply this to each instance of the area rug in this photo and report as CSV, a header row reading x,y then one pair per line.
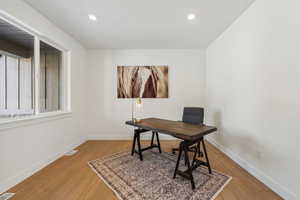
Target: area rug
x,y
152,179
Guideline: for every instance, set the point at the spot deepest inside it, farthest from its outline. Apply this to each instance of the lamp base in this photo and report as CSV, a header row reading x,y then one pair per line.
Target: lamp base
x,y
135,120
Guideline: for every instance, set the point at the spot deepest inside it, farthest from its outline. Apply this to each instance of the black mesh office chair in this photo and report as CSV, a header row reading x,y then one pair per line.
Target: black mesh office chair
x,y
193,115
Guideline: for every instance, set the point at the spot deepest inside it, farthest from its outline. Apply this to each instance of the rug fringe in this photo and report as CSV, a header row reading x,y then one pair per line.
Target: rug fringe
x,y
221,189
102,178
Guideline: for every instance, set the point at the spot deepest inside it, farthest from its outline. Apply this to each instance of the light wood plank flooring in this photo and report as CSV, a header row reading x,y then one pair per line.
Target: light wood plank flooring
x,y
70,178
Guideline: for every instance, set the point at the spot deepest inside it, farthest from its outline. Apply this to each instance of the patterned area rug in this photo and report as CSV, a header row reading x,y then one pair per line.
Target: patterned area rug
x,y
152,179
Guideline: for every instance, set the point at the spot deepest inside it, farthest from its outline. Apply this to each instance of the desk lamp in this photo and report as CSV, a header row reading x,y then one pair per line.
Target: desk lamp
x,y
139,104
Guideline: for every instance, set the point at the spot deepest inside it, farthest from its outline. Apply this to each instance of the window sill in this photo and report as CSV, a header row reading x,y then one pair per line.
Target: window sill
x,y
34,119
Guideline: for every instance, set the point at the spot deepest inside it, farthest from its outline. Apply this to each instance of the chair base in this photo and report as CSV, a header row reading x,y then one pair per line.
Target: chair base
x,y
191,149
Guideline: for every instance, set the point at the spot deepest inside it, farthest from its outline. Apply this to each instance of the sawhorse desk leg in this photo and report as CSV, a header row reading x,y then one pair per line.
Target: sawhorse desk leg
x,y
137,139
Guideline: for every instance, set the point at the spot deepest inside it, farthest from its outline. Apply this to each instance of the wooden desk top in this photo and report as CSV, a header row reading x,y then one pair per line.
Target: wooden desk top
x,y
178,129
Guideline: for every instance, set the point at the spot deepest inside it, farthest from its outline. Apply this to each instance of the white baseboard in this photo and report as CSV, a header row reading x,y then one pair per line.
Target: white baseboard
x,y
109,137
14,180
125,137
267,180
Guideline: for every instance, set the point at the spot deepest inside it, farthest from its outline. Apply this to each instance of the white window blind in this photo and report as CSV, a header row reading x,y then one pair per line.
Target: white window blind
x,y
15,86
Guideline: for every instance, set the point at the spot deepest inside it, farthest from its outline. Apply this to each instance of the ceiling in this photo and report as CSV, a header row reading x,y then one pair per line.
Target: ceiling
x,y
145,24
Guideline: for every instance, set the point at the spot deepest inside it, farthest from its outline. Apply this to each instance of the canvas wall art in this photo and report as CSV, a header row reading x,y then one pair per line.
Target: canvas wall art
x,y
143,82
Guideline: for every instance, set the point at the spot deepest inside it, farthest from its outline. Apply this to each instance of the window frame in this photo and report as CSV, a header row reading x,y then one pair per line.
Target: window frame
x,y
65,76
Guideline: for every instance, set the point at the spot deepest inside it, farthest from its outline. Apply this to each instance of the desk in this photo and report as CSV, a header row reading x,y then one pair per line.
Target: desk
x,y
189,133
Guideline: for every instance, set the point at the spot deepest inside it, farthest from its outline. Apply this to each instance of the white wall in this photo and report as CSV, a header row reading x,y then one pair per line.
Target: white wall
x,y
253,93
107,114
25,149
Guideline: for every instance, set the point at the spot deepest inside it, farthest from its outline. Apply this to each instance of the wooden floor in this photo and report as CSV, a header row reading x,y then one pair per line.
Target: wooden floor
x,y
70,178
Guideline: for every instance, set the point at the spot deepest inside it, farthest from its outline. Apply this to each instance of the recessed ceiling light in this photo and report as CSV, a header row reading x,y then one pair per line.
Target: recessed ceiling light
x,y
191,16
92,17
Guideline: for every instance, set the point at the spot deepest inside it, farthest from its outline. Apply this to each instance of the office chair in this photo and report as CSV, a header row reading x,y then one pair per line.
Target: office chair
x,y
193,115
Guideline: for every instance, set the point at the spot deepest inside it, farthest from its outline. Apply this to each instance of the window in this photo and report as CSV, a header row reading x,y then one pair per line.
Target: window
x,y
50,66
16,71
33,74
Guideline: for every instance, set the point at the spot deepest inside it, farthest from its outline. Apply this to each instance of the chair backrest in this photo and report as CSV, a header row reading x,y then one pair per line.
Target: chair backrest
x,y
193,115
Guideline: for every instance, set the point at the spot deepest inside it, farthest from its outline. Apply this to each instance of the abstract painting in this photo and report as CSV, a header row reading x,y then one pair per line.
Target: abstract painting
x,y
143,82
